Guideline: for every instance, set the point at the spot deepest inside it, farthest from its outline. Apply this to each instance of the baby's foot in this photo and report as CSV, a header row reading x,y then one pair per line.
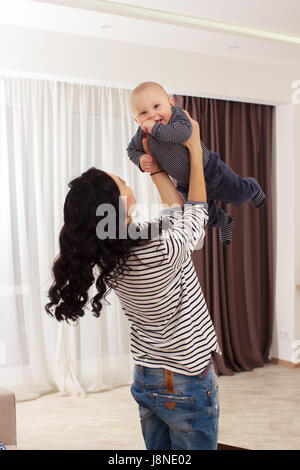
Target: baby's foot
x,y
225,232
260,200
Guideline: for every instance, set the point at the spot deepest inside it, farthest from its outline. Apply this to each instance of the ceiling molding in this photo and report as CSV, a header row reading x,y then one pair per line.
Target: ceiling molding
x,y
177,19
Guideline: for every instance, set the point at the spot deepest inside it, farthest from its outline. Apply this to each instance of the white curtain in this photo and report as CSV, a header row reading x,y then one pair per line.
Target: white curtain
x,y
50,132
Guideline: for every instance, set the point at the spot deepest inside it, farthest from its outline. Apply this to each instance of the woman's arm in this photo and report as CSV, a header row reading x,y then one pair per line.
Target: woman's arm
x,y
197,188
167,191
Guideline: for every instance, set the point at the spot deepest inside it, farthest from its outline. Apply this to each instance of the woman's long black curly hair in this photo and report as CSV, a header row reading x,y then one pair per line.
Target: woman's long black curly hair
x,y
81,249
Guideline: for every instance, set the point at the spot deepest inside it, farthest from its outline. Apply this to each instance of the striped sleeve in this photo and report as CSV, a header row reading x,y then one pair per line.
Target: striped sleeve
x,y
186,228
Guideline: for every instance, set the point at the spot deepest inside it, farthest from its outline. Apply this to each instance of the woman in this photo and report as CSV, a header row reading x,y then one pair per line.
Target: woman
x,y
172,335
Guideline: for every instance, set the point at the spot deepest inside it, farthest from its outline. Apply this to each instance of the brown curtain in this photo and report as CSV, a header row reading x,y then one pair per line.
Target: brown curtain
x,y
237,280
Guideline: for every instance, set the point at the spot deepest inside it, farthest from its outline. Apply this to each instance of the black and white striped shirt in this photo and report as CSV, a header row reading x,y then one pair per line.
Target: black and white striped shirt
x,y
170,325
165,144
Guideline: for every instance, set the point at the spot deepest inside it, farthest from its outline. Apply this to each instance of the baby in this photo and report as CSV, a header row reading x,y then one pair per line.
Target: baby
x,y
167,127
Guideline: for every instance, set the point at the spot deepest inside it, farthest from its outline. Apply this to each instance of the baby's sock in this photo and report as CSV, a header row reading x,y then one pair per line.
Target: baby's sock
x,y
259,200
225,232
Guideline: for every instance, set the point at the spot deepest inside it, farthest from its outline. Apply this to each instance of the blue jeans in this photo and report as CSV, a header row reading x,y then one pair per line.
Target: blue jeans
x,y
177,412
224,185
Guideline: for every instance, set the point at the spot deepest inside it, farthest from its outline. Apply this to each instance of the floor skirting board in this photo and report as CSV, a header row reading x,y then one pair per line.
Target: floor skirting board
x,y
284,363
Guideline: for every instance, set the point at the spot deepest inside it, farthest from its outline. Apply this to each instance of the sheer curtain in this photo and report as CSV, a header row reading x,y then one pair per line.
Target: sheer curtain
x,y
50,132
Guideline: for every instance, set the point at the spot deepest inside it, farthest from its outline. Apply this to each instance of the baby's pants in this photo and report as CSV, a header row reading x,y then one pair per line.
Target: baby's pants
x,y
224,185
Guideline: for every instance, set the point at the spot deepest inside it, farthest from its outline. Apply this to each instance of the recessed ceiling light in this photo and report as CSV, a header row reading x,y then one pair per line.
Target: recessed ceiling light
x,y
106,26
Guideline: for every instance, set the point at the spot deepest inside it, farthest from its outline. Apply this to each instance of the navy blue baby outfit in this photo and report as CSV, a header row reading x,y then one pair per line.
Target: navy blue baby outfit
x,y
222,183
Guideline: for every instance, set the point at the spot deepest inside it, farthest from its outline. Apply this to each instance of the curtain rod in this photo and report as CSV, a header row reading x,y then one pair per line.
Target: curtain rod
x,y
129,87
58,78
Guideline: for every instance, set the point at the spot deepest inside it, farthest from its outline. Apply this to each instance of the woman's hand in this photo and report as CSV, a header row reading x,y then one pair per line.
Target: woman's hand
x,y
194,140
153,165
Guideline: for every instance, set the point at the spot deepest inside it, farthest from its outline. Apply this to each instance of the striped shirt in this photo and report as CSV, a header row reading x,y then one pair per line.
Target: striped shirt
x,y
170,326
165,145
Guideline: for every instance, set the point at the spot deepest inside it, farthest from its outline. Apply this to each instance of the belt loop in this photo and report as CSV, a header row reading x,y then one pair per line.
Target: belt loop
x,y
169,379
207,368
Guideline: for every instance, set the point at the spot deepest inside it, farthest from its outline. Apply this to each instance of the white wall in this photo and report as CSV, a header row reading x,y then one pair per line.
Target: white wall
x,y
47,52
284,234
122,64
296,120
287,233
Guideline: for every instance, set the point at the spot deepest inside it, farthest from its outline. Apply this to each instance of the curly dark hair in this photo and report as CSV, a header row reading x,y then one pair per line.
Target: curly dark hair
x,y
81,249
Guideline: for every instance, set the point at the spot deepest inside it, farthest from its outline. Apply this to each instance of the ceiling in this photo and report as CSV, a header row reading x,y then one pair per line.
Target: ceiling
x,y
148,24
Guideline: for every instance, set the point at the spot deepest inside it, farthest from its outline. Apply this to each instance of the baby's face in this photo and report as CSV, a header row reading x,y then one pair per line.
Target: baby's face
x,y
152,104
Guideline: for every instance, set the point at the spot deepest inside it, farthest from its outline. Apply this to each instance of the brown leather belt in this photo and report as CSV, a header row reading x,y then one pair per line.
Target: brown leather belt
x,y
169,378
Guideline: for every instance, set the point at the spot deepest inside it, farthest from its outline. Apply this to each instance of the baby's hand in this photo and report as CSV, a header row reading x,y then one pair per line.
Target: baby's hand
x,y
146,162
148,125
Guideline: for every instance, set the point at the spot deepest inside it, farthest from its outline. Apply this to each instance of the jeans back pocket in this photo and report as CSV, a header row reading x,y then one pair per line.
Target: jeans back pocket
x,y
176,411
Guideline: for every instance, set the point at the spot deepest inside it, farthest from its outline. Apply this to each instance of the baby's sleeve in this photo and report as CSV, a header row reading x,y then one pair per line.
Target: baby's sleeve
x,y
135,148
178,130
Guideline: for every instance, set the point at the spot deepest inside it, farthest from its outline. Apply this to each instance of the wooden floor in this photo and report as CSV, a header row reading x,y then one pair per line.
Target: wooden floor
x,y
259,410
